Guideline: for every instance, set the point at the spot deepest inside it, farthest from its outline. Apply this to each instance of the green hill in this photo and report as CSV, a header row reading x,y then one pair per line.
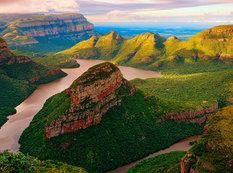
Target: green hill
x,y
12,162
210,50
193,91
102,122
213,152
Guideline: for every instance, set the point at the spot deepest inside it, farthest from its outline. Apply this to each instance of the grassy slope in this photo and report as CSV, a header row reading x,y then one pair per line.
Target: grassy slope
x,y
215,148
201,53
192,91
49,59
10,162
106,145
164,163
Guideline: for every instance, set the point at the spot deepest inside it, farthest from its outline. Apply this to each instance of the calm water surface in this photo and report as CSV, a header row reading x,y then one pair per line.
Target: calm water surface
x,y
13,128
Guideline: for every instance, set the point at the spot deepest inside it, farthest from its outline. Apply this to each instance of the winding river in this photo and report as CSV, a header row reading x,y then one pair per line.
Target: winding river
x,y
17,123
182,145
13,128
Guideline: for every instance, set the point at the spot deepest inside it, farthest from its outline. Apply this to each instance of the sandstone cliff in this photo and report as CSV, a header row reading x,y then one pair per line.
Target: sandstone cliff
x,y
213,151
40,29
89,98
53,25
192,116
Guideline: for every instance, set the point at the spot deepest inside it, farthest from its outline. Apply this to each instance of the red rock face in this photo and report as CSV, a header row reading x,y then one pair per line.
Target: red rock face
x,y
6,57
54,25
191,116
89,102
52,73
187,162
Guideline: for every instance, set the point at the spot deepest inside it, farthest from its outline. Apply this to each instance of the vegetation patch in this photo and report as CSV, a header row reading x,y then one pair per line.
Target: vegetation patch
x,y
194,91
18,163
164,163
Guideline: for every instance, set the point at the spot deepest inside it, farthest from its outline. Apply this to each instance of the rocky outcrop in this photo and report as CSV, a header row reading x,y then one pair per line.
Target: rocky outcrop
x,y
91,96
221,29
7,57
191,116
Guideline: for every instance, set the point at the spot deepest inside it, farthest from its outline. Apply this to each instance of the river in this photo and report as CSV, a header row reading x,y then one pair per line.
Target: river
x,y
182,145
13,128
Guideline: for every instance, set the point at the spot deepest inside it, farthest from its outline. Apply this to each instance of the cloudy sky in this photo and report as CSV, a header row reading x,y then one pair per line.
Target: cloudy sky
x,y
123,11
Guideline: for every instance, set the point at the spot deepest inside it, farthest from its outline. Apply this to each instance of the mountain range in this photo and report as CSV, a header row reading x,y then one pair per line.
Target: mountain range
x,y
212,47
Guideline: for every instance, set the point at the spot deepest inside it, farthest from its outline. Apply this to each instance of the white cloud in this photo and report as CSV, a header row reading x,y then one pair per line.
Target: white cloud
x,y
30,6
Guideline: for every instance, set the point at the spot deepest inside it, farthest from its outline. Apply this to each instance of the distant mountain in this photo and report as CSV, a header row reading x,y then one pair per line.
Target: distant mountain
x,y
41,32
102,122
18,76
151,51
213,151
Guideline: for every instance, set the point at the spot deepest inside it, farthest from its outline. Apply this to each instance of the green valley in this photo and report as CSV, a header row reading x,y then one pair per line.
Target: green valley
x,y
193,91
64,130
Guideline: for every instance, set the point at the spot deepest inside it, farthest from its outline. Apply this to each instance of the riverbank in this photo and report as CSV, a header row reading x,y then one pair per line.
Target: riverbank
x,y
182,145
17,123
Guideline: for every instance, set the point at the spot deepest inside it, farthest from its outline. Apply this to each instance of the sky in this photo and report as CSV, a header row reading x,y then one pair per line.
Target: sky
x,y
131,11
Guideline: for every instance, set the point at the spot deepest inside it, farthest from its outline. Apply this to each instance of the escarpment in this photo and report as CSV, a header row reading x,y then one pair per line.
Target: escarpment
x,y
192,116
41,31
89,98
54,24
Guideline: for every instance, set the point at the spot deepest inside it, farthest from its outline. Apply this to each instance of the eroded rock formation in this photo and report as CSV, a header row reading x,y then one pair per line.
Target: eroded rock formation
x,y
37,28
191,116
7,57
91,96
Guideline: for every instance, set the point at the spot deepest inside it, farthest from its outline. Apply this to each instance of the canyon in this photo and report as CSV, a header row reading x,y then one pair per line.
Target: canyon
x,y
35,29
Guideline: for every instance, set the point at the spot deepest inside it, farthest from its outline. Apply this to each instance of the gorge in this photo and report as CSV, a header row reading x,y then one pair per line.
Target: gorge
x,y
12,130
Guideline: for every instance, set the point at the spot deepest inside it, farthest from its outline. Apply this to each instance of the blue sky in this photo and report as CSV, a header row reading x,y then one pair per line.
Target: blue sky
x,y
131,11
